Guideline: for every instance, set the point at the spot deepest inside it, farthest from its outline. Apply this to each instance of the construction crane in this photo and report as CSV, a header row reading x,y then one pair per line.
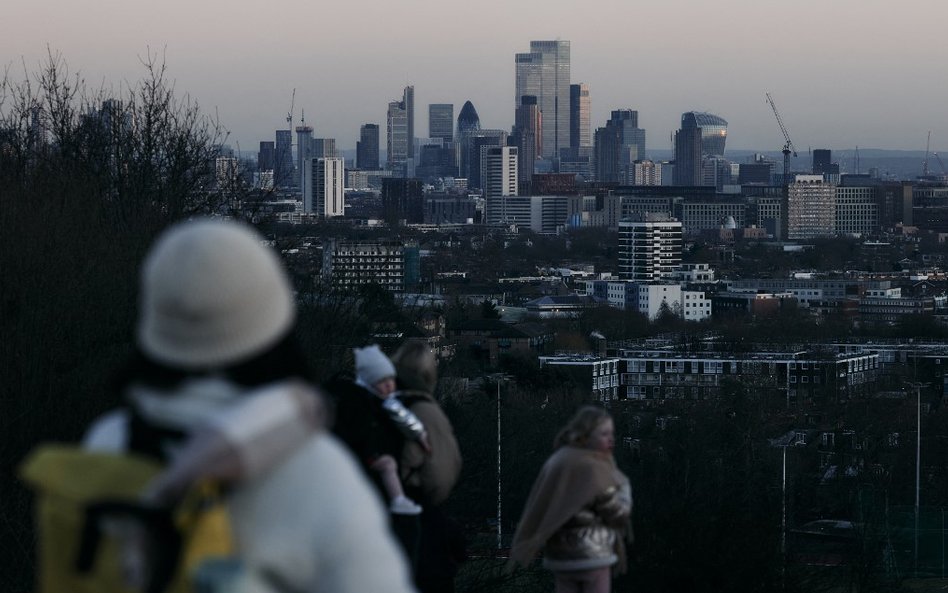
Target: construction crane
x,y
788,147
928,145
944,171
289,114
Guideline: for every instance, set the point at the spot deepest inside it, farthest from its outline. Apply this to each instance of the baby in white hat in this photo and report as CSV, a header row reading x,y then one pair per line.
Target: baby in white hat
x,y
376,373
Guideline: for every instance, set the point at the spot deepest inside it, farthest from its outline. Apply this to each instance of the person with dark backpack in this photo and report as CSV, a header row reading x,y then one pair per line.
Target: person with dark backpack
x,y
217,394
430,475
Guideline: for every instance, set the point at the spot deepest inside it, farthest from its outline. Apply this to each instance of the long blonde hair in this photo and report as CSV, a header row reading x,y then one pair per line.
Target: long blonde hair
x,y
580,426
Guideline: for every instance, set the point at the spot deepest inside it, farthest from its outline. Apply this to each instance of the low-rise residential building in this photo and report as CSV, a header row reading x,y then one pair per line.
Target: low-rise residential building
x,y
599,375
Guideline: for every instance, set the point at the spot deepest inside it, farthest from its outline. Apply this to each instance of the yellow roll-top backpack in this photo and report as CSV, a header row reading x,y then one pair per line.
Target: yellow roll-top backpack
x,y
77,491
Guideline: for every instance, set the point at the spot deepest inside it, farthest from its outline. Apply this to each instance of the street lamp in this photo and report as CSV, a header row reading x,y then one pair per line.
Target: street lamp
x,y
499,377
918,458
790,439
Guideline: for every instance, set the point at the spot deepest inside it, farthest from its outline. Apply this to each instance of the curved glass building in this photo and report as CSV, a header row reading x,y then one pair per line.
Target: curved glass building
x,y
468,121
713,131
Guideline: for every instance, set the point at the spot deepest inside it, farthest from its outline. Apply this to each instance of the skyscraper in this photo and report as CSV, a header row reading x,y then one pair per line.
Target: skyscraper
x,y
579,109
688,156
544,73
478,142
304,151
441,121
367,148
324,187
283,159
408,101
500,181
713,131
649,247
528,136
618,145
397,145
500,171
324,148
265,156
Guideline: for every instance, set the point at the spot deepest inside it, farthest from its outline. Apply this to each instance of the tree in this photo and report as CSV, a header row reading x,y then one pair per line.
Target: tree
x,y
87,178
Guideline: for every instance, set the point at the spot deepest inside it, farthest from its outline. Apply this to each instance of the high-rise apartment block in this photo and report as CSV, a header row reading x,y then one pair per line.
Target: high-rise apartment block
x,y
810,210
649,247
324,148
367,148
324,187
579,116
441,121
350,264
500,181
544,73
618,145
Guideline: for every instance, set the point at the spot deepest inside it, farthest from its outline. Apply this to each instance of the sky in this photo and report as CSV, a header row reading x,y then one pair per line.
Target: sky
x,y
844,73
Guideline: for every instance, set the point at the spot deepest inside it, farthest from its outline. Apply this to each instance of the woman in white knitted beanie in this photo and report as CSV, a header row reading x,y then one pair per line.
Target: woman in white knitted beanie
x,y
218,386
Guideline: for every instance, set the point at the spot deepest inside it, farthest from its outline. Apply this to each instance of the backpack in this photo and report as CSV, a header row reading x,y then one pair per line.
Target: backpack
x,y
76,489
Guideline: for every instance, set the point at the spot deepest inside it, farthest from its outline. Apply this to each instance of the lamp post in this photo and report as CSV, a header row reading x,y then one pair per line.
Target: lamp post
x,y
499,377
918,461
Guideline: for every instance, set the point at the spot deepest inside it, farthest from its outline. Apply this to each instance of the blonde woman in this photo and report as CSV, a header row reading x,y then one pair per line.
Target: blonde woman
x,y
578,511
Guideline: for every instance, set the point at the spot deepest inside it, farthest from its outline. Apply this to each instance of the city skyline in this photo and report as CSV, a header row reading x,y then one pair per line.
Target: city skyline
x,y
841,73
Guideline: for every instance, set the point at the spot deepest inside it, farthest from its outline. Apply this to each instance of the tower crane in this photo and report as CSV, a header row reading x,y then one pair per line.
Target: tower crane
x,y
788,147
289,114
941,164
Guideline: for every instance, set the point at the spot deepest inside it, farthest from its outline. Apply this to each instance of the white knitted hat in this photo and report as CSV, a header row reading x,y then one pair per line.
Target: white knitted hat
x,y
212,295
372,365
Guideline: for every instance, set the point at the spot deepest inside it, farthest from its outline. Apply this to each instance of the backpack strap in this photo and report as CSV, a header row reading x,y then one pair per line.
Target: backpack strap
x,y
164,538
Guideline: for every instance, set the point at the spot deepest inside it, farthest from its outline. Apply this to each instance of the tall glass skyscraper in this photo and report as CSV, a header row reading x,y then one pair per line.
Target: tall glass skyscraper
x,y
713,131
544,73
367,148
441,121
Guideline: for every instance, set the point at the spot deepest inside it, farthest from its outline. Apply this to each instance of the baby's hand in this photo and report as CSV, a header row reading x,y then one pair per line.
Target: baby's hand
x,y
425,444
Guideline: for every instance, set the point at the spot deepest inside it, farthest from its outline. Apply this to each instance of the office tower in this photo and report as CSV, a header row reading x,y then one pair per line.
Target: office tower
x,y
579,109
266,156
367,148
649,247
403,200
478,142
436,161
528,135
408,101
397,158
810,210
713,131
441,121
283,159
688,156
823,161
468,124
544,73
324,187
468,120
324,148
618,145
304,151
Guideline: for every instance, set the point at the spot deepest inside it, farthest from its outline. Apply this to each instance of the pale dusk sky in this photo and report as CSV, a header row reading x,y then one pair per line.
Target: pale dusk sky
x,y
843,72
